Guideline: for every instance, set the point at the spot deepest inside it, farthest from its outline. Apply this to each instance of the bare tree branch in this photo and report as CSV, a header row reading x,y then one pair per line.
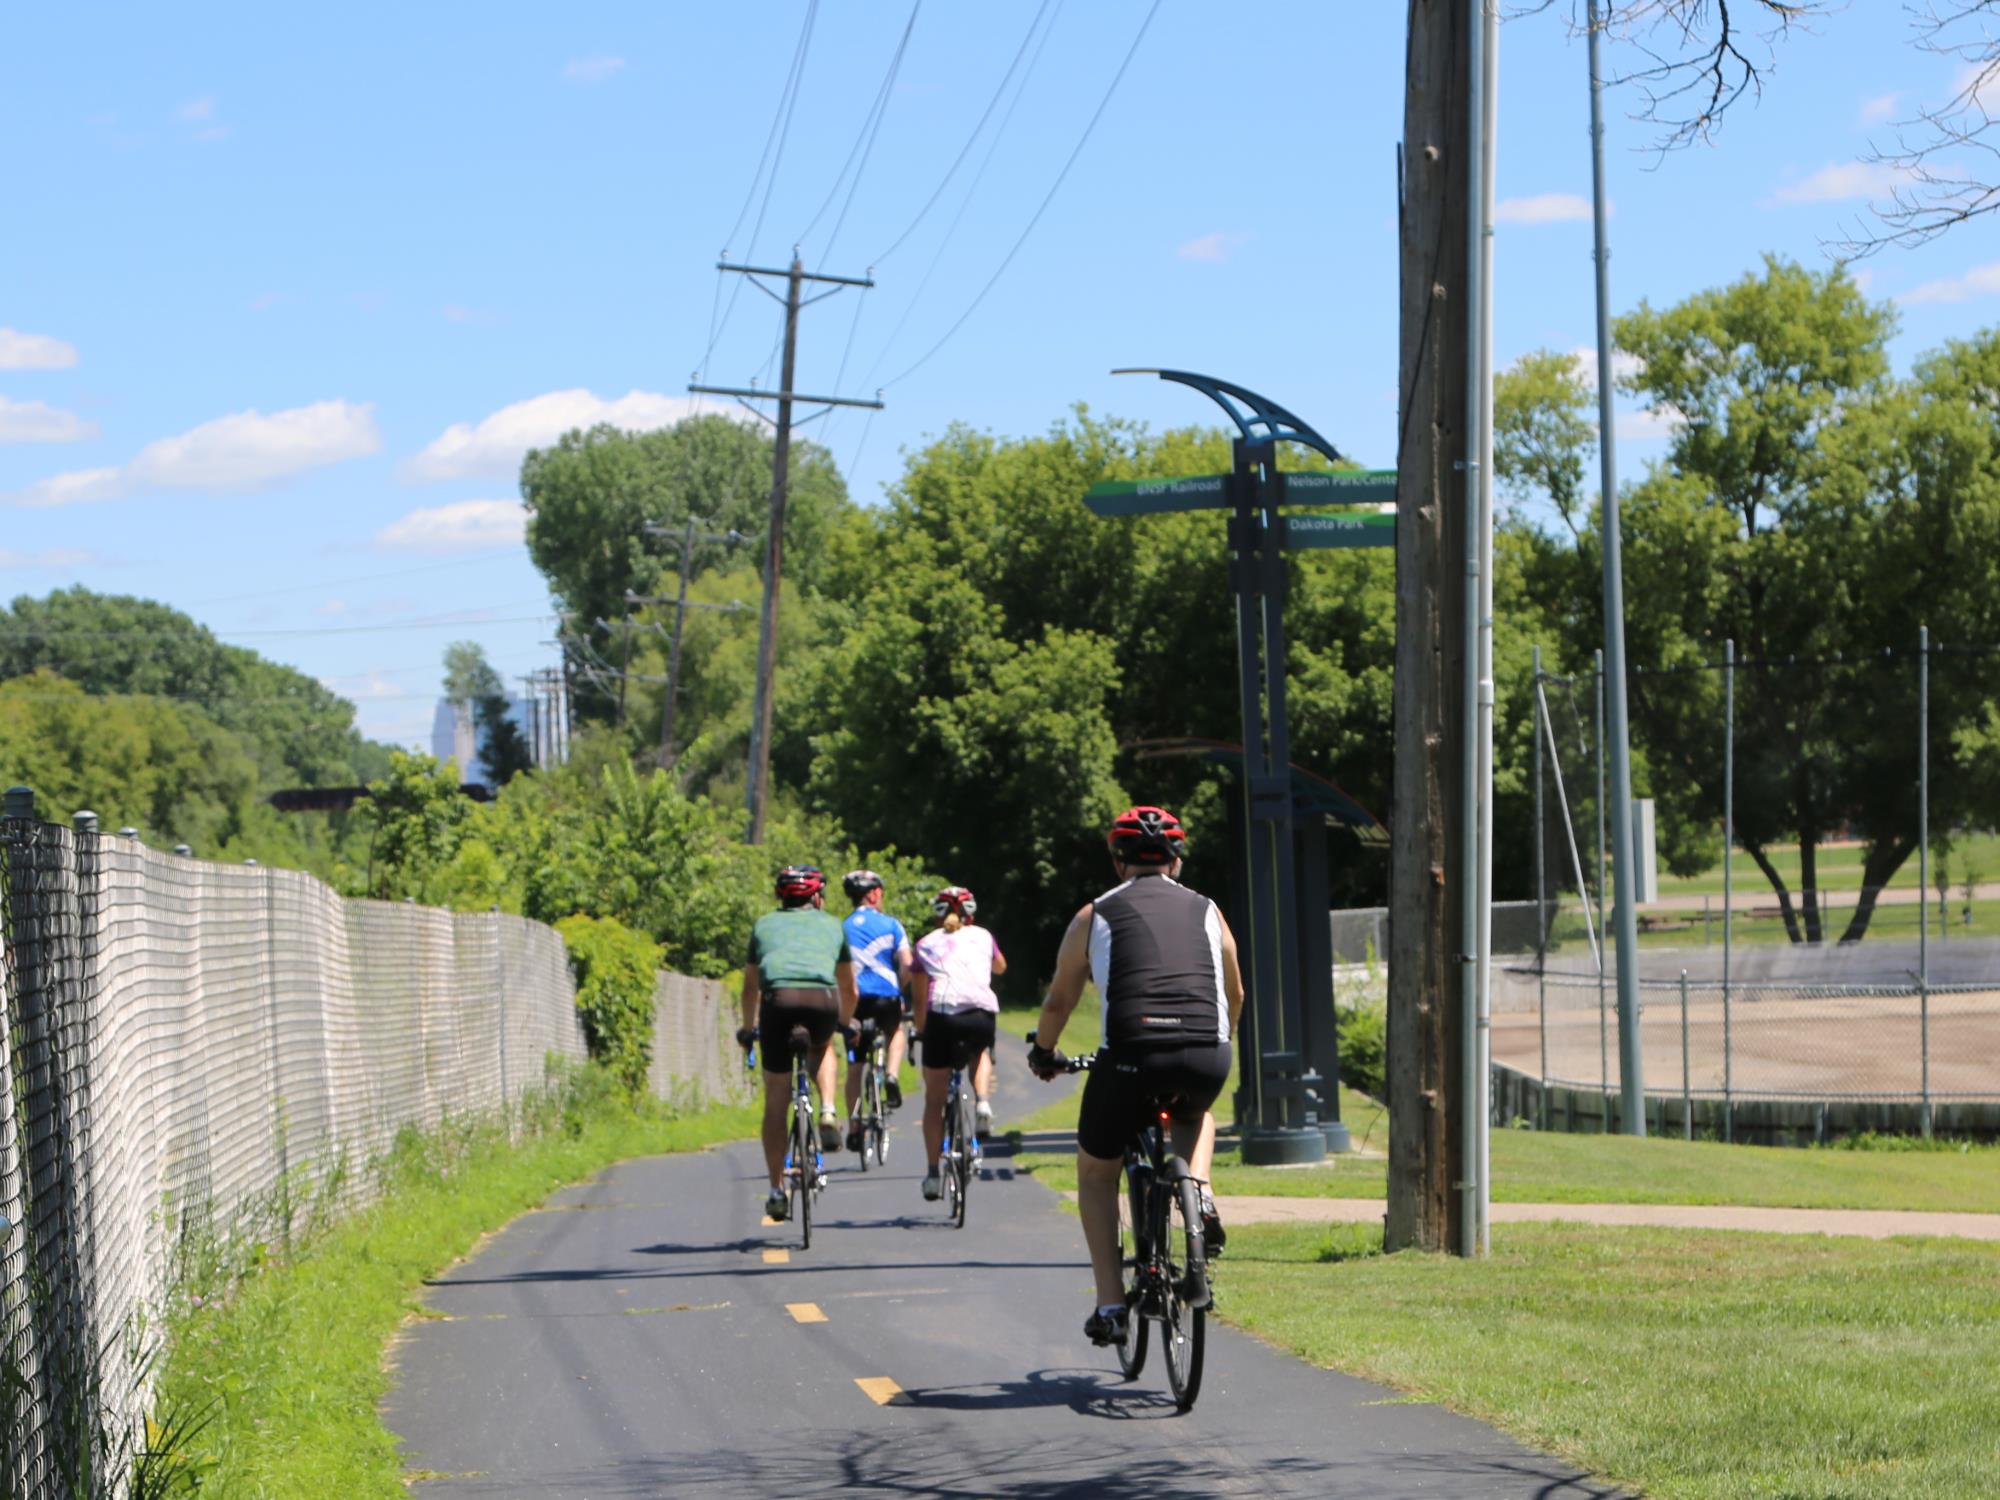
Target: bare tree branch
x,y
1946,161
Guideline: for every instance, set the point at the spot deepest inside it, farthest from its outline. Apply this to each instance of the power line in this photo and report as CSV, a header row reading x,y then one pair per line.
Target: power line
x,y
1054,187
864,143
971,192
781,126
966,150
481,555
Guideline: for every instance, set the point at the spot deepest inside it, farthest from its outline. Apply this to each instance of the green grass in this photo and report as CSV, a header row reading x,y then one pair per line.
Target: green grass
x,y
1532,1166
291,1364
1685,1365
1839,867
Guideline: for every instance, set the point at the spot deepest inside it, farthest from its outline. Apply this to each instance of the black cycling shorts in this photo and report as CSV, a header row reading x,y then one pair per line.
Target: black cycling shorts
x,y
886,1011
955,1038
816,1010
1127,1084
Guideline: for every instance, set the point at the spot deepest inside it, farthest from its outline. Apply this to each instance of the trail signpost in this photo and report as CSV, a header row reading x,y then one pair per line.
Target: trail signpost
x,y
1289,1098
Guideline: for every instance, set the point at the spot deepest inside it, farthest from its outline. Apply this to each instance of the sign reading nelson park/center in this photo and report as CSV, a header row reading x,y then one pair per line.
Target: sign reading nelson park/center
x,y
1142,497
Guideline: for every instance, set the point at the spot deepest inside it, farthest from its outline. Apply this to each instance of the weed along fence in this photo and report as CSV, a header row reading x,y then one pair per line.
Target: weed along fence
x,y
202,1049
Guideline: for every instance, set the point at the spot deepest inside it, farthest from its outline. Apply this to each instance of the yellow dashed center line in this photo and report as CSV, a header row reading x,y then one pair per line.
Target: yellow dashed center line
x,y
879,1388
777,1257
805,1312
769,1221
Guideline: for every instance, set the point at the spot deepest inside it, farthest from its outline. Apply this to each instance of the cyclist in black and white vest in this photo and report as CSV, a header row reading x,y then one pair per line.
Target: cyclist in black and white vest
x,y
1164,963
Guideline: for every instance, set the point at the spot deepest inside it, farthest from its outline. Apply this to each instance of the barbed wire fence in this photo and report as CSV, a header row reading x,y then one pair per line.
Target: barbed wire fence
x,y
200,1049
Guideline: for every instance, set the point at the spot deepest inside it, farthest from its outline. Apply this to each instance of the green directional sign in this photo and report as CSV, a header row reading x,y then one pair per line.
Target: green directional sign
x,y
1142,497
1356,528
1343,487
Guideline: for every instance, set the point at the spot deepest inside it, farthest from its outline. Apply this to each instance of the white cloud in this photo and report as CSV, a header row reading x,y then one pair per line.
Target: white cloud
x,y
1880,109
1214,248
1980,281
51,557
198,109
359,686
1644,426
1624,366
591,69
38,422
265,301
455,313
244,451
34,351
1543,208
493,447
1842,181
462,526
200,114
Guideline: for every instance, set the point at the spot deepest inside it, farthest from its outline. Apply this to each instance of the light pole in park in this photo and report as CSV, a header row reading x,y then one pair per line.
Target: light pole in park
x,y
1286,1091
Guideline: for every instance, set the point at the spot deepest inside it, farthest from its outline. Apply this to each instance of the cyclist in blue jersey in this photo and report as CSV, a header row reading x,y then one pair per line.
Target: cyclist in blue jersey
x,y
881,952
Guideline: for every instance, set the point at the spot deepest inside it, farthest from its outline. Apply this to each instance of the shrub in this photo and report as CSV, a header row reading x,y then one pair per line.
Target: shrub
x,y
1364,1034
616,971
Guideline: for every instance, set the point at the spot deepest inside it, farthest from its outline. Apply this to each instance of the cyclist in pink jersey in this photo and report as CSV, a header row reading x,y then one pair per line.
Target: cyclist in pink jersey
x,y
956,1011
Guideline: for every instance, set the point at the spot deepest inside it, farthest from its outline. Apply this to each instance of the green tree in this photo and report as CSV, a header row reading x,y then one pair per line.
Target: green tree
x,y
420,819
590,496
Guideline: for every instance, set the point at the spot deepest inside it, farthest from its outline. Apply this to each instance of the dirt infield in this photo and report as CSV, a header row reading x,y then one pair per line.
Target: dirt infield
x,y
1845,1047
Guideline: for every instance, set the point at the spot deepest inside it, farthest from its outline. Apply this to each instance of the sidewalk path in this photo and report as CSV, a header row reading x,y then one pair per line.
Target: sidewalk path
x,y
1874,1224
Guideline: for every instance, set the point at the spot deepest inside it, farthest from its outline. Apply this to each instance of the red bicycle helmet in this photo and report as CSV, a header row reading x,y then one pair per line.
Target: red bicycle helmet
x,y
1146,836
955,898
799,883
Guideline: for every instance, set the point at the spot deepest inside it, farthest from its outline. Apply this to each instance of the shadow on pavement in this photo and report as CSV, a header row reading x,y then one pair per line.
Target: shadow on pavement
x,y
1091,1393
849,1463
803,1266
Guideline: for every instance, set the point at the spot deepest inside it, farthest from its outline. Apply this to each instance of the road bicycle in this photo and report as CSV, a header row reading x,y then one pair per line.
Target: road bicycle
x,y
1166,1267
874,1115
805,1167
959,1153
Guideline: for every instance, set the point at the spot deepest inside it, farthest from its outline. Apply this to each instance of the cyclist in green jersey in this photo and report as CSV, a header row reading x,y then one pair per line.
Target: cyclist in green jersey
x,y
798,975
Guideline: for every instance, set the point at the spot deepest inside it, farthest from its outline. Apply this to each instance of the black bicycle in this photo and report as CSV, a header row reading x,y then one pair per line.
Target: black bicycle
x,y
959,1154
1166,1260
874,1116
805,1168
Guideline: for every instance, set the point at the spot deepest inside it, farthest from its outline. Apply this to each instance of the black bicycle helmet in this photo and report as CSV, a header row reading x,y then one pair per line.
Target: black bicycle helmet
x,y
858,883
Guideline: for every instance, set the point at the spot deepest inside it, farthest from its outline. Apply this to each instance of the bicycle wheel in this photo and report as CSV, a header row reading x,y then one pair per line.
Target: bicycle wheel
x,y
961,1152
868,1110
805,1169
1184,1330
878,1121
1132,1352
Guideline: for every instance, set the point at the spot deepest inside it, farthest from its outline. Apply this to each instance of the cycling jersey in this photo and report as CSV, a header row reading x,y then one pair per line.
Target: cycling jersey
x,y
1156,958
797,946
874,937
960,966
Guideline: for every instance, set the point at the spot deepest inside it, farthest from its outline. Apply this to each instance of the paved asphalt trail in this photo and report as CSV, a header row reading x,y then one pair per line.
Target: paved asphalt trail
x,y
640,1336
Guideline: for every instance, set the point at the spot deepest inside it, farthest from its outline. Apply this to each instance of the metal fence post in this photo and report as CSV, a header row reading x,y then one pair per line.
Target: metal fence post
x,y
1603,914
1728,889
1687,1080
1924,865
1541,909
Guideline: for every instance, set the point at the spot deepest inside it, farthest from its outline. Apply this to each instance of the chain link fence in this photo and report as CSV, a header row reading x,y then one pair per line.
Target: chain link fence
x,y
187,1043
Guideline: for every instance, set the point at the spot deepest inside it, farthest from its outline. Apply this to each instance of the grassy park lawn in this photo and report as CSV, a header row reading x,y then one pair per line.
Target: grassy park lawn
x,y
1839,869
1681,1364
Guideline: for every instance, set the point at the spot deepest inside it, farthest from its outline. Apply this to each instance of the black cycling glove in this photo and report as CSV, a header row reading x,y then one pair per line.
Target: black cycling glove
x,y
746,1036
1045,1062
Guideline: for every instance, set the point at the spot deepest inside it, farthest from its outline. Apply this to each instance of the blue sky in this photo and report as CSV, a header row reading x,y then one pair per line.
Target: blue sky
x,y
287,290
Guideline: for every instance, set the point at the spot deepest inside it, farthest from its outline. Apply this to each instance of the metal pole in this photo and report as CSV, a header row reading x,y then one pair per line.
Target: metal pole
x,y
1541,905
1603,917
1631,1060
1924,864
1687,1080
1728,866
774,550
1468,835
674,652
1488,137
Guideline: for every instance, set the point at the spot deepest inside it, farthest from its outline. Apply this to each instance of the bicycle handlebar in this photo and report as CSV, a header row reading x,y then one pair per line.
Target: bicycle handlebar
x,y
1065,1064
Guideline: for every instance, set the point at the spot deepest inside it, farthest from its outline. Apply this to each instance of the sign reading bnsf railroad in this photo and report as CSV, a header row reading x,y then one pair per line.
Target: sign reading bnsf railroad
x,y
1141,497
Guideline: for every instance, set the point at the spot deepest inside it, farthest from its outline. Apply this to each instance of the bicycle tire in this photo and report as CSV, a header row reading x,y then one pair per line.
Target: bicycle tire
x,y
867,1113
805,1166
1184,1331
1132,1350
962,1154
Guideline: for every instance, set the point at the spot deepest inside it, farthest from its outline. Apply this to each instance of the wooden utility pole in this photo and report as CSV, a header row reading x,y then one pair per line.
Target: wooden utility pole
x,y
786,395
684,536
1426,902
